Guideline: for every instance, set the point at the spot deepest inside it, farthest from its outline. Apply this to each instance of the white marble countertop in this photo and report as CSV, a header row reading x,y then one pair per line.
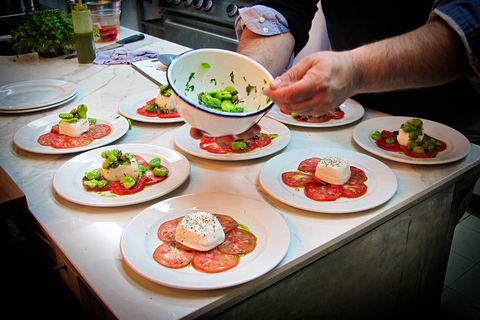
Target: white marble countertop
x,y
90,237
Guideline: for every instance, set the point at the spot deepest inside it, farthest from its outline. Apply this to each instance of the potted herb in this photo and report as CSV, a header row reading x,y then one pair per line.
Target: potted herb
x,y
48,32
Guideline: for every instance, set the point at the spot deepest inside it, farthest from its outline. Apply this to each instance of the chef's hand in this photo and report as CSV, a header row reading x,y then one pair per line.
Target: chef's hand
x,y
227,141
317,84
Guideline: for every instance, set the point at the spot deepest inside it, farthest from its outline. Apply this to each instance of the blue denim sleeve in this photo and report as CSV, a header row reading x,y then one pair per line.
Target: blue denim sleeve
x,y
261,20
463,16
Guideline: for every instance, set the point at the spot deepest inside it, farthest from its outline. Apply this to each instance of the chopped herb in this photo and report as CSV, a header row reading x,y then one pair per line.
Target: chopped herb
x,y
250,88
192,76
232,77
204,66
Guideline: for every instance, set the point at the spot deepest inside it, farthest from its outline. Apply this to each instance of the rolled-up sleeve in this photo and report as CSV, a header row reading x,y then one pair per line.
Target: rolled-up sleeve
x,y
463,16
261,20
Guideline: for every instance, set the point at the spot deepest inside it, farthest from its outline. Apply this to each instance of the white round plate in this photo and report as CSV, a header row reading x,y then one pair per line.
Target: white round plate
x,y
139,240
35,94
185,142
26,137
353,112
129,106
458,145
67,181
382,182
41,108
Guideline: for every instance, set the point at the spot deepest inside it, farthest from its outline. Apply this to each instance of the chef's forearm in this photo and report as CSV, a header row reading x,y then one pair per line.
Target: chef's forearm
x,y
273,52
430,55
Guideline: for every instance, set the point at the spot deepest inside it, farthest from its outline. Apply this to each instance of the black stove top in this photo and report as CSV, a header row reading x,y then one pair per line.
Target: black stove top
x,y
220,11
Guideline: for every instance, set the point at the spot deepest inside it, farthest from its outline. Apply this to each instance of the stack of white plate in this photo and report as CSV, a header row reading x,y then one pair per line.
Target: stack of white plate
x,y
35,95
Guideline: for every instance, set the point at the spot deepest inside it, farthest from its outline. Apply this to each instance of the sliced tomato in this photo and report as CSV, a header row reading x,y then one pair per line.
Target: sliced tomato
x,y
228,223
98,131
296,178
336,114
309,165
354,190
96,189
143,111
140,161
214,261
169,114
319,192
357,175
208,144
62,141
55,129
166,231
262,140
383,144
170,255
118,188
151,178
238,241
46,139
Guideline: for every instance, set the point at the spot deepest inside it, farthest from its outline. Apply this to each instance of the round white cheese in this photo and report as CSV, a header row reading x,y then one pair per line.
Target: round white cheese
x,y
124,170
74,129
200,231
403,137
333,170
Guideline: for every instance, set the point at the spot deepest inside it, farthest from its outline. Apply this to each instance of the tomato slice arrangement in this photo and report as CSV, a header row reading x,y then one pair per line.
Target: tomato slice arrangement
x,y
336,114
389,142
239,146
224,257
158,112
116,187
61,141
318,190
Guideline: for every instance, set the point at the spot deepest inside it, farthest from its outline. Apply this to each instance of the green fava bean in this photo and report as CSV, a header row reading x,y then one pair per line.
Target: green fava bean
x,y
155,163
160,172
239,145
376,135
418,149
227,105
95,174
151,107
65,116
102,183
127,182
91,183
82,111
210,101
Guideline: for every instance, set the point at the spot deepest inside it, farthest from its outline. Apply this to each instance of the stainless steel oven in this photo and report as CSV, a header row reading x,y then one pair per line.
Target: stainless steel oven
x,y
201,23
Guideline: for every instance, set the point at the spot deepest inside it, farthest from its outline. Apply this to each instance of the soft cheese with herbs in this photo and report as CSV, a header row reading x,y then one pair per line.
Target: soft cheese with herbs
x,y
118,165
412,130
75,123
333,170
200,231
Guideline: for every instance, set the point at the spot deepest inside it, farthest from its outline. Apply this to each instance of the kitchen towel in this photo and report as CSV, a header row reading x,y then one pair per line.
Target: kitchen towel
x,y
123,56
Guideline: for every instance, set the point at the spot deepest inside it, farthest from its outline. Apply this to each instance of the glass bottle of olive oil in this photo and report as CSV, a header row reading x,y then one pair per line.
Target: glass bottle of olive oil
x,y
83,28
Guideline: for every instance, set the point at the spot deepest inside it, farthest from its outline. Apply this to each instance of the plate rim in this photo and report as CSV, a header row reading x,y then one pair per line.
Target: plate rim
x,y
328,207
179,142
70,87
123,107
27,129
364,141
183,167
220,199
353,103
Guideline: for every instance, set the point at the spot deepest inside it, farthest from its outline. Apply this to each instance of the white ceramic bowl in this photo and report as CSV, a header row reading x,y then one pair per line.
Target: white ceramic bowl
x,y
187,79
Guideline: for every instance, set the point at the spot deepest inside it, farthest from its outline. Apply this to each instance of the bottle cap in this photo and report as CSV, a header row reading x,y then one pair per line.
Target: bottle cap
x,y
80,7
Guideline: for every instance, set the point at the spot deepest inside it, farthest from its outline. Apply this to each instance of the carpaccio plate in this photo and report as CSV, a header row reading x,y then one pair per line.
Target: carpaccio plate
x,y
26,137
139,240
